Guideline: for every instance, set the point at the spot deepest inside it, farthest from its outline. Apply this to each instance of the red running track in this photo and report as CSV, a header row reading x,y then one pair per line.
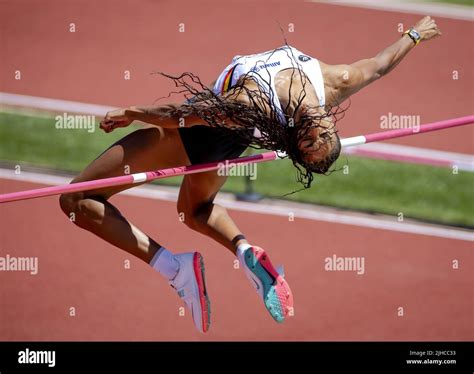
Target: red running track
x,y
113,303
78,270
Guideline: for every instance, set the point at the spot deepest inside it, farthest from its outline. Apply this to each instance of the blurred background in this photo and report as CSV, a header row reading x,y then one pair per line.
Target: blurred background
x,y
105,54
60,59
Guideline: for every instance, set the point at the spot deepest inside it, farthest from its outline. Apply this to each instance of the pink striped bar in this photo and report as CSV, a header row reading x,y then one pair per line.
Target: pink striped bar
x,y
435,126
134,178
183,170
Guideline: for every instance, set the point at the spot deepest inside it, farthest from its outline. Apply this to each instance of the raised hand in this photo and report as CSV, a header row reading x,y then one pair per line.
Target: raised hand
x,y
427,28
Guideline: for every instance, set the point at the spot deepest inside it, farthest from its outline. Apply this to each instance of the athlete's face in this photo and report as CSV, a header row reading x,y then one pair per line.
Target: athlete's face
x,y
319,142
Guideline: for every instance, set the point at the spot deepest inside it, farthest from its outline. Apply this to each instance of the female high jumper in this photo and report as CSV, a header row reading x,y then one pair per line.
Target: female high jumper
x,y
281,100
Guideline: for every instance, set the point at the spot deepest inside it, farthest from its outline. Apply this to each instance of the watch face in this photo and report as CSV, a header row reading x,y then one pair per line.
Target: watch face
x,y
415,34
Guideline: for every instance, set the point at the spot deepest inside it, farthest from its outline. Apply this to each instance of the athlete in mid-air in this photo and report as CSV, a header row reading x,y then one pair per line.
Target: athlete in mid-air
x,y
281,100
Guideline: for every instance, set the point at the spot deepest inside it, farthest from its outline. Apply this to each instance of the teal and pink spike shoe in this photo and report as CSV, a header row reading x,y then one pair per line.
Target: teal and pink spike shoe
x,y
269,283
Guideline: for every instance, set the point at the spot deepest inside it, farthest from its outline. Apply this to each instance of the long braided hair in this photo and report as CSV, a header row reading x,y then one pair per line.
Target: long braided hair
x,y
257,123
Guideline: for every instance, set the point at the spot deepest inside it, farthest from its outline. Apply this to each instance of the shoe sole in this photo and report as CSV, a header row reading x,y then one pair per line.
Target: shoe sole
x,y
198,264
277,295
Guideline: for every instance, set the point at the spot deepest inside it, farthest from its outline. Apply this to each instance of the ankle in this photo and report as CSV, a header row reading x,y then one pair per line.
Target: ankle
x,y
240,243
241,248
165,263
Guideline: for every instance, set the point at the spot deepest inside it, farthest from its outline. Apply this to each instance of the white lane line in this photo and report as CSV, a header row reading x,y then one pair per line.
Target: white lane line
x,y
408,154
305,211
415,151
454,11
54,105
464,161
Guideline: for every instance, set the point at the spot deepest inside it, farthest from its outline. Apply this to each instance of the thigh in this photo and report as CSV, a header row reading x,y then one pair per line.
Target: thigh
x,y
142,150
198,190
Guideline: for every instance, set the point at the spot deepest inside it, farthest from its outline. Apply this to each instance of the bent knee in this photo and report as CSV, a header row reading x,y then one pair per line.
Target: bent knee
x,y
82,207
68,202
195,219
189,218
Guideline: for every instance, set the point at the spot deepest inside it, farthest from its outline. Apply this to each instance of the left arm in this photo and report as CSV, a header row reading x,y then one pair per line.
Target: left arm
x,y
155,115
352,78
160,115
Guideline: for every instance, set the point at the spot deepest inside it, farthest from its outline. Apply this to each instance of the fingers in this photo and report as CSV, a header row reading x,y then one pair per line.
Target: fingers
x,y
431,23
108,125
436,28
428,28
433,26
114,119
116,115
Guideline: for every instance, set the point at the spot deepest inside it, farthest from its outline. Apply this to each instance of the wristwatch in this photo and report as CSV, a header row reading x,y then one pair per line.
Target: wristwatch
x,y
414,35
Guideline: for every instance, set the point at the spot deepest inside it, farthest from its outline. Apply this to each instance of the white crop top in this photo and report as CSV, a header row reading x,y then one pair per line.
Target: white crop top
x,y
263,67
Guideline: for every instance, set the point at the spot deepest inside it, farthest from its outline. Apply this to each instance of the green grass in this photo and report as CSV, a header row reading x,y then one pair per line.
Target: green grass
x,y
462,2
423,192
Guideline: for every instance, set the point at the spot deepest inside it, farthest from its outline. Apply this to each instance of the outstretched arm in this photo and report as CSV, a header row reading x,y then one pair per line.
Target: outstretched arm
x,y
158,115
155,115
352,78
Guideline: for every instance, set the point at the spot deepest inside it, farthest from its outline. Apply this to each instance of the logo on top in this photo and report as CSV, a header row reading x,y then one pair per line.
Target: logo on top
x,y
257,68
304,58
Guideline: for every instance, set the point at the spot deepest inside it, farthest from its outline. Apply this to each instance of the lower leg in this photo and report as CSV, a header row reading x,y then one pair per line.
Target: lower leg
x,y
100,217
104,220
97,215
214,221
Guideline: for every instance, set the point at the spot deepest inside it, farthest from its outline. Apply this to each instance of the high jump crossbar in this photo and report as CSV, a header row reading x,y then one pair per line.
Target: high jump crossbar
x,y
138,178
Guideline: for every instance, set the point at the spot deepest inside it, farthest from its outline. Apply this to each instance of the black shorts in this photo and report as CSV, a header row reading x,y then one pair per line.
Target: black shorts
x,y
207,144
